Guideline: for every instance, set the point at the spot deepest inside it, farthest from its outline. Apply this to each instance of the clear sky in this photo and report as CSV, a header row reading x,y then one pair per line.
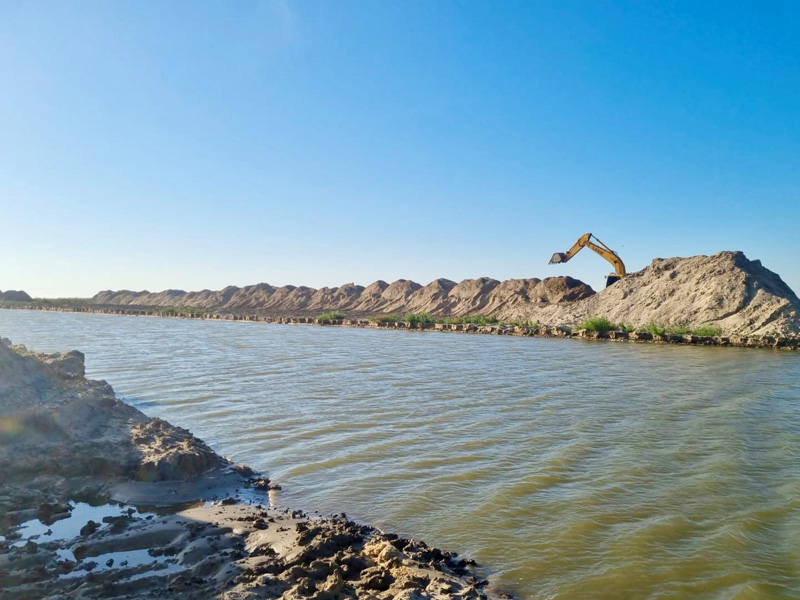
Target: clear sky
x,y
153,145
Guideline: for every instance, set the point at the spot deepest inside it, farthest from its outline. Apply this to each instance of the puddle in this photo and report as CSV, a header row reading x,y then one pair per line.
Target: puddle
x,y
69,528
127,559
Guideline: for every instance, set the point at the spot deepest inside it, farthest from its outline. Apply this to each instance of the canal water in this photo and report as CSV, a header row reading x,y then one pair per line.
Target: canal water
x,y
573,469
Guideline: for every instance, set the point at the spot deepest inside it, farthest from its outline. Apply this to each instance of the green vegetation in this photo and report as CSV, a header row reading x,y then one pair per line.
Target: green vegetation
x,y
597,324
426,318
654,328
525,323
708,331
392,318
415,318
331,316
704,331
470,320
679,330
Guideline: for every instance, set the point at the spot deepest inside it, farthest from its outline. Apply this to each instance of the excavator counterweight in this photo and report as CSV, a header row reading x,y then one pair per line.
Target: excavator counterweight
x,y
587,240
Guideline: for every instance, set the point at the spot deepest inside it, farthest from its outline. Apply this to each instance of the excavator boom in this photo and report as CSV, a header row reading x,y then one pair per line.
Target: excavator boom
x,y
587,240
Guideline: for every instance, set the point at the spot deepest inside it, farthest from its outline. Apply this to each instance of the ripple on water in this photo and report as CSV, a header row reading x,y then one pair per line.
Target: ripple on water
x,y
575,470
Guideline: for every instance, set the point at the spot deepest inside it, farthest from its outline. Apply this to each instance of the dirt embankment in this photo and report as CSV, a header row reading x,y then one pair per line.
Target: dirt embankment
x,y
439,298
726,290
66,441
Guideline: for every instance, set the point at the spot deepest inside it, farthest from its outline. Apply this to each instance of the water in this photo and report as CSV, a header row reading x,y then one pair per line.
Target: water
x,y
575,470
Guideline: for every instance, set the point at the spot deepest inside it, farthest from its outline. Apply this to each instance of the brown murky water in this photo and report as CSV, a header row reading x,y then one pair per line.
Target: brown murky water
x,y
575,470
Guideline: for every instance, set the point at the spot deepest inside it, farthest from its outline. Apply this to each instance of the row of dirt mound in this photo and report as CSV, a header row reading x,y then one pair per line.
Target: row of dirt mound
x,y
440,297
726,290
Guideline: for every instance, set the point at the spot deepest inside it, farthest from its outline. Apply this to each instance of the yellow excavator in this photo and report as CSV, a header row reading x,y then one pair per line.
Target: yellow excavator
x,y
587,240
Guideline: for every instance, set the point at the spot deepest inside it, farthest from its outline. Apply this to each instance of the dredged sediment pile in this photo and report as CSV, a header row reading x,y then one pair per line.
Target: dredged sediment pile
x,y
726,290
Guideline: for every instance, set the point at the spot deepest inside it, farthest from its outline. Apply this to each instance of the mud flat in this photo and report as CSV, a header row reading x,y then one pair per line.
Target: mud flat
x,y
99,501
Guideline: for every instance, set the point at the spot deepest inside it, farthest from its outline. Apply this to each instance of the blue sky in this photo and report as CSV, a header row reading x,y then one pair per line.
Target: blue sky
x,y
153,145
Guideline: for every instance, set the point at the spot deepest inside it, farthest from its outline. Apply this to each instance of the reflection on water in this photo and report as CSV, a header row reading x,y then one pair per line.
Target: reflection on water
x,y
576,470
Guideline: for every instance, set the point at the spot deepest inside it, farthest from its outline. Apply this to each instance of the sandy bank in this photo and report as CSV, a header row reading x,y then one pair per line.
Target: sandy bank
x,y
70,452
727,292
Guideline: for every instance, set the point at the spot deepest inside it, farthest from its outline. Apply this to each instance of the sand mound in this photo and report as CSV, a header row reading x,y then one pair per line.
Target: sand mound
x,y
727,290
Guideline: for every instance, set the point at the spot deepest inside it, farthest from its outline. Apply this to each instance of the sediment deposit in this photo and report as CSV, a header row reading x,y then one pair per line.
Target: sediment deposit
x,y
726,290
66,441
440,297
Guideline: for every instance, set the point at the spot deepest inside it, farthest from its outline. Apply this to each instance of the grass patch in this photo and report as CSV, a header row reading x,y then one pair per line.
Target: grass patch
x,y
470,320
679,330
654,328
416,318
526,323
597,324
393,318
331,316
708,331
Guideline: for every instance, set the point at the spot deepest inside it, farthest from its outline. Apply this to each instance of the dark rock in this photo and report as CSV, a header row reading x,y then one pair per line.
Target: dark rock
x,y
89,528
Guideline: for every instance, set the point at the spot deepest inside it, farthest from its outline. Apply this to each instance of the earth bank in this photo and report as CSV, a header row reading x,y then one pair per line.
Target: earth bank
x,y
67,442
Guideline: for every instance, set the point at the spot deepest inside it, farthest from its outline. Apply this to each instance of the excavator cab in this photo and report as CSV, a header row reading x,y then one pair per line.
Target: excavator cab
x,y
589,241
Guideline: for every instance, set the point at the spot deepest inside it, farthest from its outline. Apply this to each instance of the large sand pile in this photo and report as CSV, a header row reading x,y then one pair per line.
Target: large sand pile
x,y
726,290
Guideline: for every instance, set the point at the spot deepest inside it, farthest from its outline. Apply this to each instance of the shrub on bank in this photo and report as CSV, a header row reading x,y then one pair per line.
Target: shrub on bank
x,y
708,331
597,324
654,328
480,320
393,318
331,316
415,318
526,323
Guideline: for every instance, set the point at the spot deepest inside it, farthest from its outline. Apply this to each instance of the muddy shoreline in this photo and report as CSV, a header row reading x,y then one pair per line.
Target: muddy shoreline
x,y
98,500
541,331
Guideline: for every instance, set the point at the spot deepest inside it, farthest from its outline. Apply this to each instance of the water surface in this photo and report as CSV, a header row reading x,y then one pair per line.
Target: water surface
x,y
574,469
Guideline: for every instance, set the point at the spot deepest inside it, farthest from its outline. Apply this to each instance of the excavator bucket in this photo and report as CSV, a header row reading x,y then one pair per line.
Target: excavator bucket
x,y
558,257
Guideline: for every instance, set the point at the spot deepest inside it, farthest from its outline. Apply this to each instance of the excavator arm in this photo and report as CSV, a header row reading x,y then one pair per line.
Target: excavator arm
x,y
589,241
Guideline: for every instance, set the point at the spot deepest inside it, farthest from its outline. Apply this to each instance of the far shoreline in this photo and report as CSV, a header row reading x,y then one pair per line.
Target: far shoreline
x,y
537,330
